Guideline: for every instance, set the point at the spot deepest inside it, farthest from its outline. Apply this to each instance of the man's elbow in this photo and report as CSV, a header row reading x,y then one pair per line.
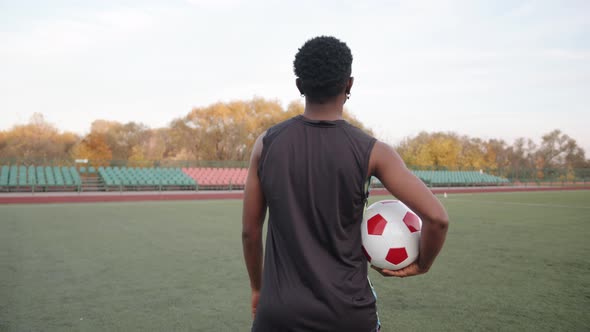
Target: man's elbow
x,y
246,235
441,220
251,235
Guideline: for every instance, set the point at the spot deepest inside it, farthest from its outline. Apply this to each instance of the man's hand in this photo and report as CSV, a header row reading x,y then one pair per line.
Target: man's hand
x,y
255,297
411,270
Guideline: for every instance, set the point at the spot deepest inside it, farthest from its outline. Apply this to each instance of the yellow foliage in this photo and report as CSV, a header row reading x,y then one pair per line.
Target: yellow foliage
x,y
37,140
137,154
449,151
93,147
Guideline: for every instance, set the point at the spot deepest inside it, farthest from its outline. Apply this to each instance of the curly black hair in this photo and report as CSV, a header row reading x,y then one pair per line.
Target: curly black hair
x,y
323,65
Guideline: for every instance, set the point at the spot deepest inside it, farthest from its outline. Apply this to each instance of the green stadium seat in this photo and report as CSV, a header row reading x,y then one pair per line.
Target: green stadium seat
x,y
13,176
40,176
4,176
67,176
31,176
59,180
75,176
49,177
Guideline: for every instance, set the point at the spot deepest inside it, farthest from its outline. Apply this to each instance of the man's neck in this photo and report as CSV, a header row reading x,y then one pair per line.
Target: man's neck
x,y
329,111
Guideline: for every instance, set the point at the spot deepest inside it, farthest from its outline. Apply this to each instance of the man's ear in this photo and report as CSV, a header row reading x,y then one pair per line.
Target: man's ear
x,y
349,85
298,84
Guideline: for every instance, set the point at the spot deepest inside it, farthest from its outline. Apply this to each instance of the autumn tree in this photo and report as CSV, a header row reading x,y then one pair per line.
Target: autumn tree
x,y
38,140
228,130
439,150
559,150
471,155
559,155
93,146
157,144
121,138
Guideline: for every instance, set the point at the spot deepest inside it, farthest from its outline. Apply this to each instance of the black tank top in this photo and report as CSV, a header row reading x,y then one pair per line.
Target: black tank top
x,y
314,176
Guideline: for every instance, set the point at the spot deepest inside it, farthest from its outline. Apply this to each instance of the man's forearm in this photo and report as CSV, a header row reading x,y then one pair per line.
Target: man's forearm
x,y
431,241
252,246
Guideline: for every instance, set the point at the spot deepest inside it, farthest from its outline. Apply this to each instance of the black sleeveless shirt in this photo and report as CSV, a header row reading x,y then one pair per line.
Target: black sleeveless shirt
x,y
314,175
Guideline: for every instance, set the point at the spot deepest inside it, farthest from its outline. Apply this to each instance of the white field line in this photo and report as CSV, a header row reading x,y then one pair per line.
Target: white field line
x,y
517,203
507,193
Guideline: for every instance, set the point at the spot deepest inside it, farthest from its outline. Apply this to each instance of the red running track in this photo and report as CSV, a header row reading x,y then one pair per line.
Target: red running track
x,y
163,196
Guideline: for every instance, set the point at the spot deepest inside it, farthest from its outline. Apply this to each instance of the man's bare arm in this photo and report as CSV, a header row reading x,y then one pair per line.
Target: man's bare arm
x,y
390,169
253,214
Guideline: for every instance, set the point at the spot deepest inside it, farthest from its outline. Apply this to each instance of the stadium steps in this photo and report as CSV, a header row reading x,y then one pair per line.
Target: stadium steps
x,y
92,183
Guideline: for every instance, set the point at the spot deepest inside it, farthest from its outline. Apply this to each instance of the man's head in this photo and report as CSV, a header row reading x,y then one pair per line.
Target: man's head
x,y
323,66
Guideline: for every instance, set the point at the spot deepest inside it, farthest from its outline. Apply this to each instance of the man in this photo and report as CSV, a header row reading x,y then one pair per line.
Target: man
x,y
311,172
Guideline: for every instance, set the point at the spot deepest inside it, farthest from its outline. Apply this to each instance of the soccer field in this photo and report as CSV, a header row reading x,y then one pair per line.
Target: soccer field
x,y
512,261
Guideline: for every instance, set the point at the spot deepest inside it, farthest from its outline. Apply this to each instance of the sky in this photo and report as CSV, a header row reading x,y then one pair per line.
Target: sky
x,y
489,69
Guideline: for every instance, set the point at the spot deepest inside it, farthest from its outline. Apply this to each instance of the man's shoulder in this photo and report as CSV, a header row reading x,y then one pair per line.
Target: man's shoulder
x,y
359,133
279,127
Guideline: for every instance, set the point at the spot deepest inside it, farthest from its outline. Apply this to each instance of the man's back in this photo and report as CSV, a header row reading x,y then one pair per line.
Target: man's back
x,y
313,175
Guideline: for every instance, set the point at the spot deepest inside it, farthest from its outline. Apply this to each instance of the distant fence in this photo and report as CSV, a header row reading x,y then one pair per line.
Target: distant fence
x,y
527,176
129,163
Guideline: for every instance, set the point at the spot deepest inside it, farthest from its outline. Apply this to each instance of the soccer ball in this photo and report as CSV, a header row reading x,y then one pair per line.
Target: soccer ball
x,y
390,235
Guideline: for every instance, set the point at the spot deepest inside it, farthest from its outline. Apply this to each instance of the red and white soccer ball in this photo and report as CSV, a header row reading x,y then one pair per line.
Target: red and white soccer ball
x,y
391,235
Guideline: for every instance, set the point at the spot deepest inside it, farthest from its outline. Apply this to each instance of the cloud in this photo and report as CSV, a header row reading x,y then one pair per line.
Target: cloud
x,y
215,4
470,66
76,33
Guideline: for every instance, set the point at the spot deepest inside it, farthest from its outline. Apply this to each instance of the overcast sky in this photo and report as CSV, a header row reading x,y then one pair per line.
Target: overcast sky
x,y
490,69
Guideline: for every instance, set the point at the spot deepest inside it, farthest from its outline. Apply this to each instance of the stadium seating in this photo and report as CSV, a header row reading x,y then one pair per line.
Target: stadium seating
x,y
236,177
22,176
59,179
40,176
50,178
35,178
4,176
75,176
221,178
13,176
145,177
31,178
457,178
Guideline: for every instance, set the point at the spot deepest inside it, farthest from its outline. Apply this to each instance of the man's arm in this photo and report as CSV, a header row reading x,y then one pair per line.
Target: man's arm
x,y
390,169
253,213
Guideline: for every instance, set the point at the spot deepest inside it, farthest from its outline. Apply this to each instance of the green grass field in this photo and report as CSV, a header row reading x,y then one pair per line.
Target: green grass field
x,y
512,262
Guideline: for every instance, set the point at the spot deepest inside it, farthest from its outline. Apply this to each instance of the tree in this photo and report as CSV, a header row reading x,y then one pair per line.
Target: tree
x,y
559,150
156,144
439,150
93,147
3,140
121,138
471,155
137,154
495,154
38,140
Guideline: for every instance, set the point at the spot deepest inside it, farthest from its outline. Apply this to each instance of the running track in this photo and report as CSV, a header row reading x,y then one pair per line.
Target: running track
x,y
73,197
